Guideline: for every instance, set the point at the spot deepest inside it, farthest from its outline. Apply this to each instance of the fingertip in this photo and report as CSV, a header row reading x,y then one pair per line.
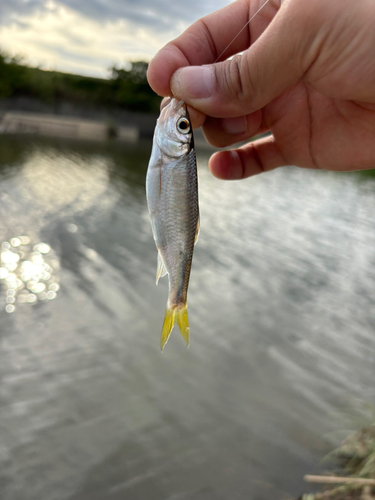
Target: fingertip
x,y
251,159
161,68
224,132
226,165
197,118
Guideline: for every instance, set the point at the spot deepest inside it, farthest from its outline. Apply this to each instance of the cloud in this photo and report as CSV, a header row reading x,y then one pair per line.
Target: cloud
x,y
152,13
88,37
12,8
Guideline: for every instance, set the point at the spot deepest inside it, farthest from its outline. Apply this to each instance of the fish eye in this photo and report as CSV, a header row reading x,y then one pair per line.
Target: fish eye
x,y
183,126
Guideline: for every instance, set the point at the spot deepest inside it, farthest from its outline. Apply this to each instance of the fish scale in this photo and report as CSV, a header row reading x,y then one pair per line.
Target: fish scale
x,y
184,179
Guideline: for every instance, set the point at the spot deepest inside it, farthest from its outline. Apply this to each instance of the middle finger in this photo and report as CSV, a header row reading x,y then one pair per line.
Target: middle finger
x,y
223,132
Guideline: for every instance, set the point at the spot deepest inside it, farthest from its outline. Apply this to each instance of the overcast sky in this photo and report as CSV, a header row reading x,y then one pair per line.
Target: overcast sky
x,y
89,36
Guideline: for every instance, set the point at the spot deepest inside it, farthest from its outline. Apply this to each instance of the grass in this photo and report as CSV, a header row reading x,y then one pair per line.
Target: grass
x,y
355,458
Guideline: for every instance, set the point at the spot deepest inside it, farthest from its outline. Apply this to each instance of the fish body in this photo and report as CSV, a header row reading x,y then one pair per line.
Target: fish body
x,y
172,197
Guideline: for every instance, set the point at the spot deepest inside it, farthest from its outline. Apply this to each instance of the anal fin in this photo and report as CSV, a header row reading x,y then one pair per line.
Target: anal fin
x,y
197,231
161,270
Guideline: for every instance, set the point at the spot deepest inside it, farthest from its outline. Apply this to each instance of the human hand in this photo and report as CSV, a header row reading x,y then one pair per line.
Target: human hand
x,y
307,75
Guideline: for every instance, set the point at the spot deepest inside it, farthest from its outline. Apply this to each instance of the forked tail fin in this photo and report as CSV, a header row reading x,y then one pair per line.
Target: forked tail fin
x,y
172,314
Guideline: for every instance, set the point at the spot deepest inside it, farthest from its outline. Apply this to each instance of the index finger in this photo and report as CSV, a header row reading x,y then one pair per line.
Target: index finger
x,y
201,43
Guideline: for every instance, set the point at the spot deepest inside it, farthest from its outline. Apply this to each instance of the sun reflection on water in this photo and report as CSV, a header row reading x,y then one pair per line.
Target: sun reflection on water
x,y
27,273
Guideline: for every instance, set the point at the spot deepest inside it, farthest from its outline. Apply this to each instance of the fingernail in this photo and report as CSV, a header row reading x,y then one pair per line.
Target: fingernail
x,y
194,82
235,171
235,126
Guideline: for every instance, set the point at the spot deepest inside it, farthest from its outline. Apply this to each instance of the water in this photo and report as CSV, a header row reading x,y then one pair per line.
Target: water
x,y
282,316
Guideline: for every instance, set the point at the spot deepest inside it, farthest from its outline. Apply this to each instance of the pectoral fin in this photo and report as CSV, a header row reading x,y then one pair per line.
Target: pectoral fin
x,y
161,270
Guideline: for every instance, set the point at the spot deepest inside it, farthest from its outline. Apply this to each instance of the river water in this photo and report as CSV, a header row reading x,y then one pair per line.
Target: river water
x,y
282,317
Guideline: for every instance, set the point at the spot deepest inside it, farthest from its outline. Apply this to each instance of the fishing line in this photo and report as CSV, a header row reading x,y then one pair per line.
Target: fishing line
x,y
238,34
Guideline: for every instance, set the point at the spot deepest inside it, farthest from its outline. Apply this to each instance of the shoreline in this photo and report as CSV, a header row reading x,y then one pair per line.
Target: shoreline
x,y
17,122
73,127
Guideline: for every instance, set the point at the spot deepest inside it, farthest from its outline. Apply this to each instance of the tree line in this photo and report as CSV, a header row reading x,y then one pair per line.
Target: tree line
x,y
127,87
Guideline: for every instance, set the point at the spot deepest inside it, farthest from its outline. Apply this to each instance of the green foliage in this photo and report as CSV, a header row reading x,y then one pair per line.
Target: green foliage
x,y
126,89
133,72
130,87
13,76
357,453
356,458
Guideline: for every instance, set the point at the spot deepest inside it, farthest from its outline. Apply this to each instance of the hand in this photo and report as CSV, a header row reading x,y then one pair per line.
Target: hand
x,y
307,75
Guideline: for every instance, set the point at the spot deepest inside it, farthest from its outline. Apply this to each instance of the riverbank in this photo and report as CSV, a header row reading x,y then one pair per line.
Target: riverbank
x,y
125,88
355,476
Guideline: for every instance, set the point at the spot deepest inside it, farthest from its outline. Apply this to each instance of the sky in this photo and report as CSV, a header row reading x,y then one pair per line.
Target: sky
x,y
90,36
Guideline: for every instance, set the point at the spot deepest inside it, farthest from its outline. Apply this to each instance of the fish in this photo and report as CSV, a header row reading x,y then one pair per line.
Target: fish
x,y
172,198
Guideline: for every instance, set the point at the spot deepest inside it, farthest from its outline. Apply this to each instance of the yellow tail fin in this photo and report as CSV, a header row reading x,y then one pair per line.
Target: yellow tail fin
x,y
183,322
167,326
180,314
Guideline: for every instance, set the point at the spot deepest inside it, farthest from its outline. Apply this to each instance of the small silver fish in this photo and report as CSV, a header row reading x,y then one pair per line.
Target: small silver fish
x,y
172,197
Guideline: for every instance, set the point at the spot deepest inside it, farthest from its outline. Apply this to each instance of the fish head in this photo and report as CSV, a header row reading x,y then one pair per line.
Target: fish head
x,y
174,133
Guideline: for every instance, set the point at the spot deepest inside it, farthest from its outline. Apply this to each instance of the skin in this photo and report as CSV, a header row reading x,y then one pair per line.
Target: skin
x,y
307,75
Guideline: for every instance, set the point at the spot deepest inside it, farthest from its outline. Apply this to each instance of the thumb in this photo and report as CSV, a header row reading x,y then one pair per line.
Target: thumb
x,y
247,82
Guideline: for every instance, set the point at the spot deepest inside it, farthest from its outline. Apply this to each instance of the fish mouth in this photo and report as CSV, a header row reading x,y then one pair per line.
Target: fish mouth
x,y
178,105
169,100
165,102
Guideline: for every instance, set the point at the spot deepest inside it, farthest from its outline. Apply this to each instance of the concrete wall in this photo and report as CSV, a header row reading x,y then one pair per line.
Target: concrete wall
x,y
60,126
144,122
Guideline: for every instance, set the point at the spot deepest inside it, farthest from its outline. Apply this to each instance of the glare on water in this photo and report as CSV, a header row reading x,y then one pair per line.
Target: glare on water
x,y
28,273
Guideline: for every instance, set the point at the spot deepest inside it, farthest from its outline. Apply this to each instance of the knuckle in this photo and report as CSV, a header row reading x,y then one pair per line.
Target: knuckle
x,y
242,76
208,41
233,79
235,76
